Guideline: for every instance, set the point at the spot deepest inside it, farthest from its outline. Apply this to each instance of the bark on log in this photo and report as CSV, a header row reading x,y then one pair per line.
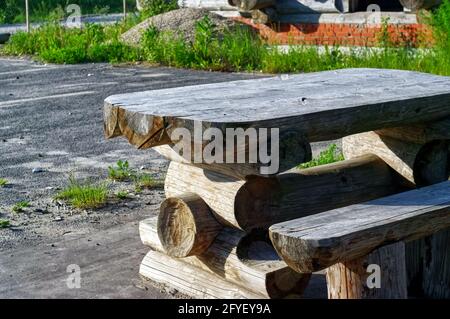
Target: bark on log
x,y
260,202
246,260
419,164
186,226
350,279
415,5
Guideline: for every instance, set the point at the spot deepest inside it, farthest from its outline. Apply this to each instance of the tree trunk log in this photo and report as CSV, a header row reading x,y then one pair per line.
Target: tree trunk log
x,y
349,279
260,202
419,164
247,260
186,226
189,279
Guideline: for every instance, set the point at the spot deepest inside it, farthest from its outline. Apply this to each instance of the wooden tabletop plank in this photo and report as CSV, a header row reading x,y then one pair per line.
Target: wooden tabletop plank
x,y
306,107
318,241
285,96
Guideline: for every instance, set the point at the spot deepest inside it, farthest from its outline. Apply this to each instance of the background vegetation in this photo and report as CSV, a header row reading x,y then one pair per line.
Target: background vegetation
x,y
13,11
233,50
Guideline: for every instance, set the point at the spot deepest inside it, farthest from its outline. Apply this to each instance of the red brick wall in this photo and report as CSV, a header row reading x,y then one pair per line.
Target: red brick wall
x,y
415,35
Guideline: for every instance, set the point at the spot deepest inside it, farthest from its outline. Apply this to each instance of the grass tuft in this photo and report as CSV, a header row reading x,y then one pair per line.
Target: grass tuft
x,y
122,195
84,195
328,156
20,207
4,223
3,182
121,172
146,181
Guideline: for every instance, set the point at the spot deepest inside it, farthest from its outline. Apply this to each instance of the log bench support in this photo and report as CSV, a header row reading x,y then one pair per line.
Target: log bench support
x,y
349,240
421,155
380,274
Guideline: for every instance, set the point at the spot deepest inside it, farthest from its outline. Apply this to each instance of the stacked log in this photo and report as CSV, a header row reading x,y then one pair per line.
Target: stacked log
x,y
213,227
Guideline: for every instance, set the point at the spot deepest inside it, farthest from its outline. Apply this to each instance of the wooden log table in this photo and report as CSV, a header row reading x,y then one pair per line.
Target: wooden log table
x,y
210,239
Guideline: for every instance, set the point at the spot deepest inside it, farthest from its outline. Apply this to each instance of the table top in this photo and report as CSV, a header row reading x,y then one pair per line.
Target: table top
x,y
322,106
286,96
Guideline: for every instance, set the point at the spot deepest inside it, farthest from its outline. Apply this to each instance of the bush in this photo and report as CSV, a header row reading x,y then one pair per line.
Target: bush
x,y
233,50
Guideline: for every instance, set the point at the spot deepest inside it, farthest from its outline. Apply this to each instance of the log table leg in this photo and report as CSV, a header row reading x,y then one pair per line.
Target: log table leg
x,y
349,279
428,261
422,160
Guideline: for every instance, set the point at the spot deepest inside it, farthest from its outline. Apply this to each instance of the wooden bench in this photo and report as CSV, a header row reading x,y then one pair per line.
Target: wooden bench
x,y
395,127
348,239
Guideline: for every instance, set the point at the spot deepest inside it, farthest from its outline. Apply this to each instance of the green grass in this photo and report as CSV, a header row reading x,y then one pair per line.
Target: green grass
x,y
4,223
84,195
146,181
122,195
56,44
121,172
3,182
237,49
241,50
20,207
328,156
13,11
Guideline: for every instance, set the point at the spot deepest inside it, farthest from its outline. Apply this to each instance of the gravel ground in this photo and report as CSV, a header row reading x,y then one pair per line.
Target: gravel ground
x,y
51,123
51,120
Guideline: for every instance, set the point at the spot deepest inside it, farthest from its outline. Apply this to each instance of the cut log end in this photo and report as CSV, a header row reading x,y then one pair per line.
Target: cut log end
x,y
186,226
